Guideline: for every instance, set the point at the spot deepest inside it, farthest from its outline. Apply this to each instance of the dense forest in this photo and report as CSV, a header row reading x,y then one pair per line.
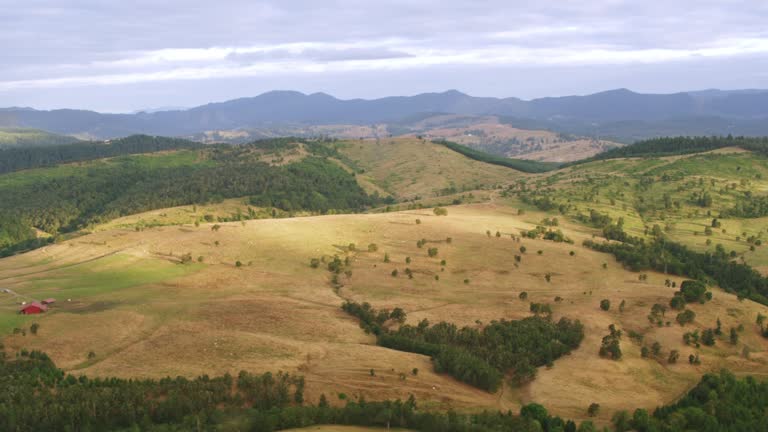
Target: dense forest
x,y
131,184
671,146
479,357
21,158
528,166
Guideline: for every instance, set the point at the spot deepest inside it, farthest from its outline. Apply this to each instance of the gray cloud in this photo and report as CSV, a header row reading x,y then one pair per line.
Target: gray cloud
x,y
51,51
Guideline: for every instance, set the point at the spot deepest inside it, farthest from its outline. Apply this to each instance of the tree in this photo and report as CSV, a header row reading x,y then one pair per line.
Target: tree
x,y
605,304
677,303
734,336
432,252
34,328
622,305
685,317
674,355
708,337
593,410
440,211
386,257
656,348
373,247
621,421
523,295
522,249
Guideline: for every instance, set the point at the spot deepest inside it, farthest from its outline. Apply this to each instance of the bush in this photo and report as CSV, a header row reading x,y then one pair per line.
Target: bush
x,y
605,304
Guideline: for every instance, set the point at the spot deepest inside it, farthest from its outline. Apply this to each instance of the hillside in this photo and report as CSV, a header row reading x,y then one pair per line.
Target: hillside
x,y
21,137
222,286
143,313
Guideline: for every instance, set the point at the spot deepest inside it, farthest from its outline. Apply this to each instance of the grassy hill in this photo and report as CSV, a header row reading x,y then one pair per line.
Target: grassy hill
x,y
23,137
680,194
409,168
143,313
223,286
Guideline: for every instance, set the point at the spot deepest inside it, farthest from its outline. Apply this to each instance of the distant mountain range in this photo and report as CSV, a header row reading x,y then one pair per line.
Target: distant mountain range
x,y
620,114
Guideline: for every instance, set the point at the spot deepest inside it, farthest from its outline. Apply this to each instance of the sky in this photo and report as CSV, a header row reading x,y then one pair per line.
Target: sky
x,y
123,56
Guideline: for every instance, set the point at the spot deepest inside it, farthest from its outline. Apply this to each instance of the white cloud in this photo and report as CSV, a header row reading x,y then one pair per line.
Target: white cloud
x,y
385,54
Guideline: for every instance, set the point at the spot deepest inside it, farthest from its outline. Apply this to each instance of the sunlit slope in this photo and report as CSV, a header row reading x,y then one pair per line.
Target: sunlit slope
x,y
141,312
411,168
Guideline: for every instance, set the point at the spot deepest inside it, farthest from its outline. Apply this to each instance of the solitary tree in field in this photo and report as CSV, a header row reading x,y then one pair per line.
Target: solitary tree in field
x,y
593,410
605,304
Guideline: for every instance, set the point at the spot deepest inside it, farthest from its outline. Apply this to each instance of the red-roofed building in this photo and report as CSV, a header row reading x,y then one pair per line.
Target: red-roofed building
x,y
48,301
33,308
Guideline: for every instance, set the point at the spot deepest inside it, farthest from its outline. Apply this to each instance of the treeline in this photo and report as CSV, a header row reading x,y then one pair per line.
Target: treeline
x,y
528,166
126,186
479,357
669,257
671,146
37,396
748,207
719,403
21,158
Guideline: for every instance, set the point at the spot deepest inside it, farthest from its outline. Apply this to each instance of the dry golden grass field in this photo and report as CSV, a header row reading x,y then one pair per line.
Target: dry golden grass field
x,y
123,295
410,168
538,145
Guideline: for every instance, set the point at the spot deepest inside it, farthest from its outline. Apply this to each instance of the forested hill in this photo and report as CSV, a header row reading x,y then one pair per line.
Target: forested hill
x,y
671,146
21,158
279,173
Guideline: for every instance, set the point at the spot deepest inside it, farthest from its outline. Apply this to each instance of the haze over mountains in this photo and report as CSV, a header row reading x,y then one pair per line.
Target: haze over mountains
x,y
619,114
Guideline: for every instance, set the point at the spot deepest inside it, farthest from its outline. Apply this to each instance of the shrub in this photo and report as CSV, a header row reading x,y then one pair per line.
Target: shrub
x,y
605,304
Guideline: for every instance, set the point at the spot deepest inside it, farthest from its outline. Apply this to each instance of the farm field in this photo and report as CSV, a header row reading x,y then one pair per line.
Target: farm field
x,y
142,313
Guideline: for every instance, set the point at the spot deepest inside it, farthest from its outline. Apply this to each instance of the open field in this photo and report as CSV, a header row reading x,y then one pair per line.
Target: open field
x,y
409,168
491,135
143,314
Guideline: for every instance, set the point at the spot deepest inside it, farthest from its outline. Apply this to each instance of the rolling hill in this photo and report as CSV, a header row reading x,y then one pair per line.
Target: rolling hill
x,y
217,287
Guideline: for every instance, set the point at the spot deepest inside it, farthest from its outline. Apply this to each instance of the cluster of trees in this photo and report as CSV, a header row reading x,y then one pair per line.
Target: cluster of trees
x,y
21,158
547,234
748,207
479,357
610,346
720,402
98,193
672,258
528,166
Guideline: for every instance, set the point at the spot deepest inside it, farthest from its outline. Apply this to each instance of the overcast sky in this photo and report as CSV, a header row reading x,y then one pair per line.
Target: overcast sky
x,y
121,56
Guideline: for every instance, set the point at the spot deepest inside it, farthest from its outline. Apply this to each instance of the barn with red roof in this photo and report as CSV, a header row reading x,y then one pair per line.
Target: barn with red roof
x,y
33,308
